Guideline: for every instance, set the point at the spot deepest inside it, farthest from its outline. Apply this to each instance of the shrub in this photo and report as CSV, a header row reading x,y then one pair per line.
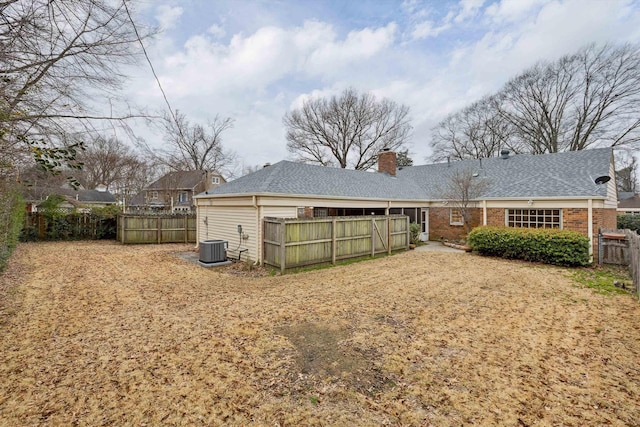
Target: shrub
x,y
414,230
11,217
631,222
550,246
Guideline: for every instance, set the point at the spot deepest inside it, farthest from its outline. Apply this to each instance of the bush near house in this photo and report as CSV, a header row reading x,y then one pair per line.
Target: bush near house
x,y
630,222
550,246
11,217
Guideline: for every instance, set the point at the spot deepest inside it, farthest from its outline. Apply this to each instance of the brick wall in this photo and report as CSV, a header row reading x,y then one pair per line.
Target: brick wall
x,y
576,219
440,227
495,217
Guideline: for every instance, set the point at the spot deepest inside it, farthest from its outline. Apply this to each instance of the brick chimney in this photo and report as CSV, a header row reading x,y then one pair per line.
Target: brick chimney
x,y
387,161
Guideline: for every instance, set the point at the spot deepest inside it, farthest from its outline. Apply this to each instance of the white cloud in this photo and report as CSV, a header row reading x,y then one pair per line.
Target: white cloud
x,y
216,31
427,29
168,16
469,8
256,76
512,10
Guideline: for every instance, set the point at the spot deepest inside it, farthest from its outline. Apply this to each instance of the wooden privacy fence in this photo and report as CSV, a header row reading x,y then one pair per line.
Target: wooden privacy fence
x,y
612,249
156,228
291,243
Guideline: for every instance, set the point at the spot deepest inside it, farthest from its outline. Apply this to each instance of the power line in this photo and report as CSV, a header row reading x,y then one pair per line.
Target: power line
x,y
155,76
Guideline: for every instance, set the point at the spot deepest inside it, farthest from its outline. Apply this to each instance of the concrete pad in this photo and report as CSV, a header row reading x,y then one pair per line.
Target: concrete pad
x,y
438,247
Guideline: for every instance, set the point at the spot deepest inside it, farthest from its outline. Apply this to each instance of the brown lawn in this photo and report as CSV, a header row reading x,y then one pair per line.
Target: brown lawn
x,y
103,334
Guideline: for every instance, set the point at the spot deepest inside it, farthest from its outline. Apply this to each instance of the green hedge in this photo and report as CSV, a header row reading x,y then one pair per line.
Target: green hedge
x,y
631,222
550,246
12,211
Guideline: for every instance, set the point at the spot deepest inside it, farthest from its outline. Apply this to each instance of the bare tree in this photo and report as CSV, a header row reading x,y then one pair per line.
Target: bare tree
x,y
583,100
346,131
627,172
462,191
475,132
110,162
191,146
55,56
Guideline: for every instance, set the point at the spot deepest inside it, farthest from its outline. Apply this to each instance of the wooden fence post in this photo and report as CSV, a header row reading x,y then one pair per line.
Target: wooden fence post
x,y
373,236
389,235
283,247
408,233
159,223
123,228
334,243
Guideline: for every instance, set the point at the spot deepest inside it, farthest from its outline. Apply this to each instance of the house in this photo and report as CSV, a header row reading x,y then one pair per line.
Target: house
x,y
73,198
572,190
175,191
629,203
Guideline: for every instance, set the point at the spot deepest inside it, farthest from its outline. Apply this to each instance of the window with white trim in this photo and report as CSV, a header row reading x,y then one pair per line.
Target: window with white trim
x,y
534,218
455,216
153,195
183,197
215,180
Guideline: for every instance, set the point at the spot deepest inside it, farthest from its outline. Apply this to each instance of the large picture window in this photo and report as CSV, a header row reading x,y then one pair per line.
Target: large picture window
x,y
534,218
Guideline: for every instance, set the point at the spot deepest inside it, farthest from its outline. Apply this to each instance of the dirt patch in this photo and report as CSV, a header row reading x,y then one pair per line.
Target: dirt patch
x,y
104,334
325,355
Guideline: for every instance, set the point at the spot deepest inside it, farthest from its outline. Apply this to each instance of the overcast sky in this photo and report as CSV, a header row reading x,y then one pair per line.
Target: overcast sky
x,y
255,60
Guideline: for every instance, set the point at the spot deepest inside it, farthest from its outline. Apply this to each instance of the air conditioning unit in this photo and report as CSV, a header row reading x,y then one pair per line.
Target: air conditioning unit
x,y
213,251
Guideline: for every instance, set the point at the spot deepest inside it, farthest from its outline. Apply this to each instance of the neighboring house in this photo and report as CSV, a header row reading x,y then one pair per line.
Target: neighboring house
x,y
74,199
174,191
629,203
550,190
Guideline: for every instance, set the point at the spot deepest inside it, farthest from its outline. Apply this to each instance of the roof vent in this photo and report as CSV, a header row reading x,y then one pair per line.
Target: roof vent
x,y
504,154
266,165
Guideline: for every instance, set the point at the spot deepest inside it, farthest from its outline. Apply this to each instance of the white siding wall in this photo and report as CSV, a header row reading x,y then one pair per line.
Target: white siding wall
x,y
612,191
222,223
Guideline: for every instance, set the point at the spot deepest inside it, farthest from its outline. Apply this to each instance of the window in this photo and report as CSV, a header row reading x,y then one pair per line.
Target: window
x,y
153,195
534,218
455,217
215,180
320,212
183,197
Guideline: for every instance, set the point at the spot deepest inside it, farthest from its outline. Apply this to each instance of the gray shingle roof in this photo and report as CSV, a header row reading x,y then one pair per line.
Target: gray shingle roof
x,y
569,174
181,180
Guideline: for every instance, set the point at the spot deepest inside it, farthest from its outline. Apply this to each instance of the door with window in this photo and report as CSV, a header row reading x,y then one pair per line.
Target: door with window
x,y
424,222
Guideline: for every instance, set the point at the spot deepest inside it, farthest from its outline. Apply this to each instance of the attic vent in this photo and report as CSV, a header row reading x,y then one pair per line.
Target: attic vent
x,y
504,154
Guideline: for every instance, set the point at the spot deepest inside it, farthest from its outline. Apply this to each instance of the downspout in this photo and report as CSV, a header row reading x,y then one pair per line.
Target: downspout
x,y
258,243
484,212
197,223
590,227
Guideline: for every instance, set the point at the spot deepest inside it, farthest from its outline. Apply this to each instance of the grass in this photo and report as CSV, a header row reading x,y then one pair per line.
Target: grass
x,y
136,335
602,279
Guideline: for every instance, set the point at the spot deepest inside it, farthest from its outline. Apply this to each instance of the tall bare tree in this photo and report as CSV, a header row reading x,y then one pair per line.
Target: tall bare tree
x,y
587,99
192,146
474,132
110,162
346,131
627,172
54,56
462,190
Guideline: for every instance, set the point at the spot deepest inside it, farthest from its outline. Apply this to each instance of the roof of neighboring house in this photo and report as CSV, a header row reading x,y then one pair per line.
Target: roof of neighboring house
x,y
181,180
630,202
137,200
84,196
570,174
625,194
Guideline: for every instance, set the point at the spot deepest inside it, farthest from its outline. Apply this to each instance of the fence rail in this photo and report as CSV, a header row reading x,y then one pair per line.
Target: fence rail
x,y
291,243
613,249
156,228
